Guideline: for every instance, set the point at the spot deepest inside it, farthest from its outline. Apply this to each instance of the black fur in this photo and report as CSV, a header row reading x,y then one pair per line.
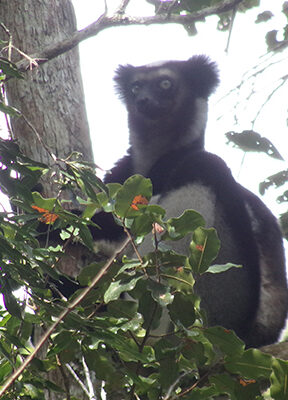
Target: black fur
x,y
167,117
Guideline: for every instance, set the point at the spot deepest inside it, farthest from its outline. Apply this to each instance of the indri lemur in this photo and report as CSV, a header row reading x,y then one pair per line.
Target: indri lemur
x,y
167,113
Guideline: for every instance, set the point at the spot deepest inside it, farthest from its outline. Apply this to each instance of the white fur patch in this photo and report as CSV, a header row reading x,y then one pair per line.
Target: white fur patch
x,y
198,127
193,196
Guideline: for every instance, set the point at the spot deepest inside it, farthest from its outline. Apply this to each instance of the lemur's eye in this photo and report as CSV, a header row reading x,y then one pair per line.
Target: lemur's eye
x,y
135,88
165,84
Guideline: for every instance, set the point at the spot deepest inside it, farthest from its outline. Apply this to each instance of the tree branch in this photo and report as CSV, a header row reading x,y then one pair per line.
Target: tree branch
x,y
119,19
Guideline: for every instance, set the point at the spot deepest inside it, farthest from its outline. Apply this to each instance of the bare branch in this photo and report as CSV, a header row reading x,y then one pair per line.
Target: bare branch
x,y
78,380
122,8
234,12
269,97
92,395
119,19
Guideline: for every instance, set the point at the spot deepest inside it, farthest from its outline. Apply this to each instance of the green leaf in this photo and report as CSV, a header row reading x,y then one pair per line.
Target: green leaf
x,y
160,293
236,389
86,236
252,364
203,393
169,372
122,308
90,210
224,384
100,361
127,347
126,202
194,351
9,68
216,268
116,288
225,339
50,204
143,224
279,379
182,309
150,310
177,228
12,305
203,249
13,112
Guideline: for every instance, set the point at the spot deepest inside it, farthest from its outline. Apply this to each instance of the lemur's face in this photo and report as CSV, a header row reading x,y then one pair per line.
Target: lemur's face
x,y
153,92
167,96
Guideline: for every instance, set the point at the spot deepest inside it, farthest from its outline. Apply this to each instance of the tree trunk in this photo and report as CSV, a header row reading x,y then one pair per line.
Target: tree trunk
x,y
51,99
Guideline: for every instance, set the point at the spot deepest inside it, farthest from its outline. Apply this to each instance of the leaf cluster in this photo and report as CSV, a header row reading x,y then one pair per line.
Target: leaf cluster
x,y
141,329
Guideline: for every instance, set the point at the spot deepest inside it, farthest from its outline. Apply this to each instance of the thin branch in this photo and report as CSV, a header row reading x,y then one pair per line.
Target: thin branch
x,y
117,19
78,380
172,387
122,7
269,97
61,317
92,395
234,12
65,379
105,7
133,244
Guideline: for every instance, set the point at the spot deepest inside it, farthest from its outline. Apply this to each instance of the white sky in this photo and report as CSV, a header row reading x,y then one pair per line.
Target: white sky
x,y
138,45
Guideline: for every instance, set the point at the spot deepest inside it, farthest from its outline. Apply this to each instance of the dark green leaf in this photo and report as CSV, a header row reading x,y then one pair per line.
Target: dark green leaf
x,y
252,141
203,249
252,364
169,372
216,268
264,16
150,310
135,190
116,288
279,385
182,309
276,180
12,305
181,226
9,68
225,339
13,112
160,293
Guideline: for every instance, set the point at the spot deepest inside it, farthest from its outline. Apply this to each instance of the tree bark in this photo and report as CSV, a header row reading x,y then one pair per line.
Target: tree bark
x,y
50,97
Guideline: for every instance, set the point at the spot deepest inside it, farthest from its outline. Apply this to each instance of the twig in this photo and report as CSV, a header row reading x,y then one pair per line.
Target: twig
x,y
78,380
122,7
268,98
172,387
133,244
105,22
61,317
92,395
65,378
105,7
234,11
203,378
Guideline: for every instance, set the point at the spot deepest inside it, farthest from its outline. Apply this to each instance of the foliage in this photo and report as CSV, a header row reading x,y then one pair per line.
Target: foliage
x,y
116,338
